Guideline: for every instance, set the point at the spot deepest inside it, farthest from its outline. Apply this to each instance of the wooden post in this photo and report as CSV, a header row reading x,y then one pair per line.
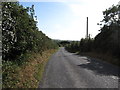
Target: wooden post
x,y
87,29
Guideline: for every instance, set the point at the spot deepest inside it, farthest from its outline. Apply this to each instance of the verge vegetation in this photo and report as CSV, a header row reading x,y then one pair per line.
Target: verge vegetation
x,y
27,75
25,49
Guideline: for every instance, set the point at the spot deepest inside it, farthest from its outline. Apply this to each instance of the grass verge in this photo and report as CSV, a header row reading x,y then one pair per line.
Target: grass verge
x,y
105,57
26,75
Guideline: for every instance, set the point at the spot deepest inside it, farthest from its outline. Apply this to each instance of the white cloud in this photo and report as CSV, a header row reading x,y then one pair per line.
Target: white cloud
x,y
73,32
77,9
91,9
80,10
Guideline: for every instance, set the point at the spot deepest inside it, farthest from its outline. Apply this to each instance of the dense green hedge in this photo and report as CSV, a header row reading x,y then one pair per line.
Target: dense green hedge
x,y
20,34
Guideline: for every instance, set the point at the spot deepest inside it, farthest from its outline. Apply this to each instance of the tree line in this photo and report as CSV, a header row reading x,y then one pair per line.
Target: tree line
x,y
107,41
20,33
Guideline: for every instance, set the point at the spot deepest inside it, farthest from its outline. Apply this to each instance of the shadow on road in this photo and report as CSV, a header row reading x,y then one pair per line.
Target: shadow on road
x,y
97,66
101,68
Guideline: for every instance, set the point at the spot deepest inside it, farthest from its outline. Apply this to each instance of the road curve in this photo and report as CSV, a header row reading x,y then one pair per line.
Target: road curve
x,y
68,70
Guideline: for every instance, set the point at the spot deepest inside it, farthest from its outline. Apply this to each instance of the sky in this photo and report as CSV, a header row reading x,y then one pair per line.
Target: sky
x,y
66,19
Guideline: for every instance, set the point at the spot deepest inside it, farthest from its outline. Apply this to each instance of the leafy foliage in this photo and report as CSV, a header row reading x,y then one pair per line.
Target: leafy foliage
x,y
20,33
73,46
108,40
22,42
85,45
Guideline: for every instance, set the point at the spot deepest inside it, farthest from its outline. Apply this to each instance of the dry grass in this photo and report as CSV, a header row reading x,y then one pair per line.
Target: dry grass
x,y
29,74
103,56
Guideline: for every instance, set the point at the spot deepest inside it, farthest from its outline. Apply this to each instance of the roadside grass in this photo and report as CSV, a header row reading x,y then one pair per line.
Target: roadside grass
x,y
103,56
27,74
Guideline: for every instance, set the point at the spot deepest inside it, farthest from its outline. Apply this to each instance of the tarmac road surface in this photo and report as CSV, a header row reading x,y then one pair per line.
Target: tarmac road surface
x,y
69,70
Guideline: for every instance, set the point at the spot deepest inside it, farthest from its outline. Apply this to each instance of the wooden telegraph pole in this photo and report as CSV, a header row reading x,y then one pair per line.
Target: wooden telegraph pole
x,y
87,29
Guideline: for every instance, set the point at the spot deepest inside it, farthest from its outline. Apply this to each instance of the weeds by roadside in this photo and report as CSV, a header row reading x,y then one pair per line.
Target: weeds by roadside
x,y
105,57
26,75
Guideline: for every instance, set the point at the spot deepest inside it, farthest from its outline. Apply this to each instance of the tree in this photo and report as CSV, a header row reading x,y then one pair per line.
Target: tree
x,y
20,34
108,40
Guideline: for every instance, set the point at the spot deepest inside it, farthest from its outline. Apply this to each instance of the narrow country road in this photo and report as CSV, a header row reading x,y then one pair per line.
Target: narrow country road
x,y
68,70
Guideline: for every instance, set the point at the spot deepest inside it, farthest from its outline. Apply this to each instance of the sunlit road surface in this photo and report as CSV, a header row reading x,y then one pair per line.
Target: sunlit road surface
x,y
69,70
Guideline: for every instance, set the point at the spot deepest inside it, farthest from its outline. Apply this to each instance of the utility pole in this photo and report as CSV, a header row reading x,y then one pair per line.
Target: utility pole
x,y
87,29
